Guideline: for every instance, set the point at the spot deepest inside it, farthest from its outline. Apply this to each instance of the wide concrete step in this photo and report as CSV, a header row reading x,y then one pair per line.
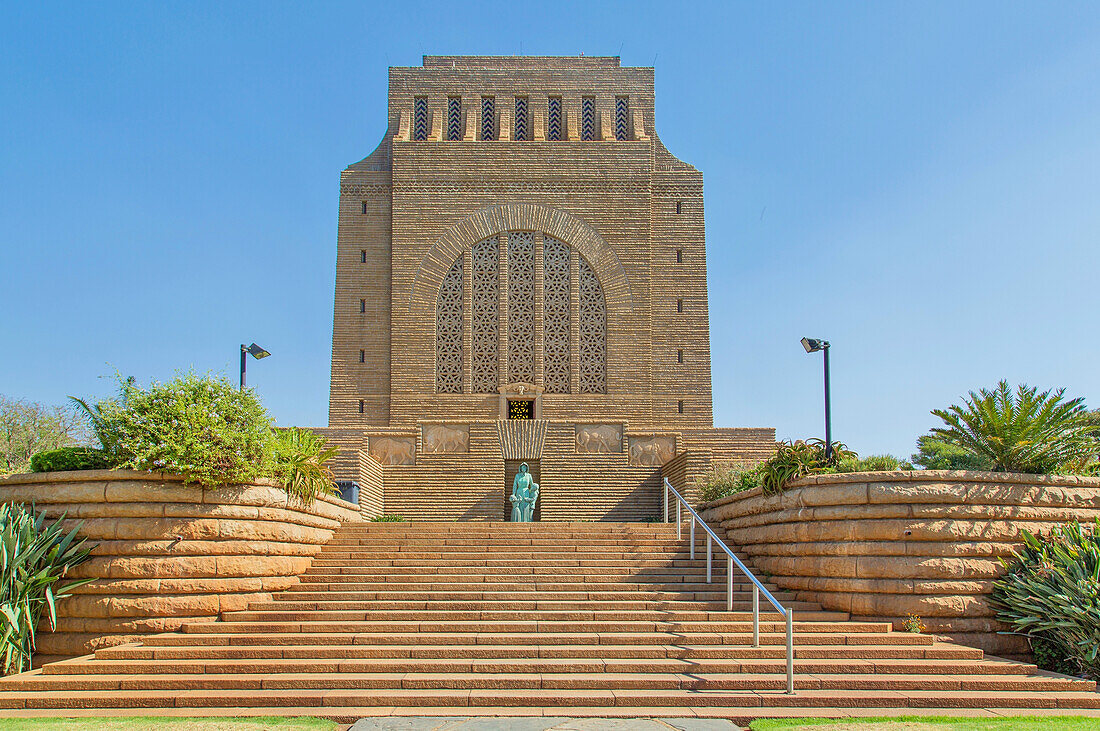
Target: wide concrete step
x,y
324,698
519,609
738,660
744,625
345,593
832,633
756,680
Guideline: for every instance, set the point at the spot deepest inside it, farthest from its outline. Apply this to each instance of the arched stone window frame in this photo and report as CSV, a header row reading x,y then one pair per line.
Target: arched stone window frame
x,y
455,247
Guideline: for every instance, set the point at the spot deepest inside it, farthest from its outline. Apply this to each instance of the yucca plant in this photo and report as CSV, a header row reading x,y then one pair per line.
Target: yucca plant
x,y
798,459
34,557
1021,431
300,458
1051,592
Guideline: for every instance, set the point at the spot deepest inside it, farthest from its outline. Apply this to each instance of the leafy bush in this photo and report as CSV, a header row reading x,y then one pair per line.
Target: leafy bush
x,y
27,428
874,463
727,478
798,459
203,428
935,454
70,458
1052,592
388,518
299,458
33,558
1025,431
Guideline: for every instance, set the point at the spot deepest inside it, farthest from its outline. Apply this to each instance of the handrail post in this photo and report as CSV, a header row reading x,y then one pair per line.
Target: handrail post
x,y
665,484
709,559
755,616
679,523
790,650
693,536
729,583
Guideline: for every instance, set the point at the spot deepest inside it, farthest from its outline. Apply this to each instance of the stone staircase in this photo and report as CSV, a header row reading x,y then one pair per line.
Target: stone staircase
x,y
594,619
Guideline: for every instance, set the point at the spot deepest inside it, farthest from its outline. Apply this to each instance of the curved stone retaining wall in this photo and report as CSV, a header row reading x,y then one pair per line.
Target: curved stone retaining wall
x,y
167,553
884,544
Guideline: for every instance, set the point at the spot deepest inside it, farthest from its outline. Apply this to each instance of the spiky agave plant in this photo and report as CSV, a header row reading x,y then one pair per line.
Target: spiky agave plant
x,y
798,459
34,557
1021,431
300,463
1051,592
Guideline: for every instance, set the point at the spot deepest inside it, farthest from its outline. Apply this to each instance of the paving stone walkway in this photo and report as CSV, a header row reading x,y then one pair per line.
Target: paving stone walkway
x,y
410,723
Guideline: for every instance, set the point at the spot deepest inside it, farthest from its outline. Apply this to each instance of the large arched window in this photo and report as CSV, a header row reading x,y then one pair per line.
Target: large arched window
x,y
537,315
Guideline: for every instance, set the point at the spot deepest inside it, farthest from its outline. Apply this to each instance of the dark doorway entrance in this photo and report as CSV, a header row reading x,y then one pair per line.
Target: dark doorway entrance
x,y
511,467
521,409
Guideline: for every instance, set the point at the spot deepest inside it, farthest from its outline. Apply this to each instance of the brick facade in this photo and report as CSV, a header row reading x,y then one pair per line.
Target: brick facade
x,y
464,165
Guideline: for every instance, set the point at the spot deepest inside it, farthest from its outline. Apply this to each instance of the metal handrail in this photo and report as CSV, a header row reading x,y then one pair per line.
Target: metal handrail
x,y
731,561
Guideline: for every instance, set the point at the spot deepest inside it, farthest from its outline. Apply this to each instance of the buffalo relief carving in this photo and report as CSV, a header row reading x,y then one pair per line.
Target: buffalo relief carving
x,y
446,438
652,451
599,438
393,450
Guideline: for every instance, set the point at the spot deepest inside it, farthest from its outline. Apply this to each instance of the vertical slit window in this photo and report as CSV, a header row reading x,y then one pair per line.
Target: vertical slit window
x,y
679,305
553,118
362,406
420,118
362,356
680,407
622,118
588,117
679,356
362,306
679,210
454,118
488,118
362,256
364,209
522,126
679,256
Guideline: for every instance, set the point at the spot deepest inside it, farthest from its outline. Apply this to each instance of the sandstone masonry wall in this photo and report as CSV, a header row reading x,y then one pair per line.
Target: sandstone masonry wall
x,y
168,553
883,544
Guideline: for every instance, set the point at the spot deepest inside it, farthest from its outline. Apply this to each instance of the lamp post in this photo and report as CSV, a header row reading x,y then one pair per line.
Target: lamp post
x,y
812,345
255,351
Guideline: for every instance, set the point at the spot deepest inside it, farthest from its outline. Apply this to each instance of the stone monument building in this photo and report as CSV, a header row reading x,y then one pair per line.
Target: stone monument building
x,y
521,277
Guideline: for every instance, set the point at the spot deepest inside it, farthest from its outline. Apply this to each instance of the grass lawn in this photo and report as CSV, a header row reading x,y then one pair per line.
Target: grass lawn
x,y
152,723
929,723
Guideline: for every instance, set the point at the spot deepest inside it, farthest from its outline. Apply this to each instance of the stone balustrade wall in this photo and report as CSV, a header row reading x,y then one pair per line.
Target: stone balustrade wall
x,y
881,545
167,553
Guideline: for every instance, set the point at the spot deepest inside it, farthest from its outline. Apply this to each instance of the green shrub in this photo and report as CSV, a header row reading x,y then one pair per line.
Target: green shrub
x,y
799,459
299,457
934,454
727,478
34,557
71,458
388,518
1052,592
203,428
874,463
1021,431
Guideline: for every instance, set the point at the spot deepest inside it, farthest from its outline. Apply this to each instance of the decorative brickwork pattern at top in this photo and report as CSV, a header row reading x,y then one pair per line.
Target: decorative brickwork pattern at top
x,y
454,118
622,118
557,320
488,118
588,118
593,327
553,119
448,336
486,317
420,118
522,129
521,307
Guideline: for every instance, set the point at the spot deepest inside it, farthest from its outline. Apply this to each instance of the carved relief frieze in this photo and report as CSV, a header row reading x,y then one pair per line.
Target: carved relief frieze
x,y
652,451
393,450
599,438
445,438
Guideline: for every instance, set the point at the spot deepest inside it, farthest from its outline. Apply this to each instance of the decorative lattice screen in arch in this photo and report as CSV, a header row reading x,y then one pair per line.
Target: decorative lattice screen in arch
x,y
567,328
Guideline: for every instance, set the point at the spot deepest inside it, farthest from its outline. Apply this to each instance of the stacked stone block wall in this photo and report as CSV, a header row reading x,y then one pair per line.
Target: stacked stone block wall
x,y
886,544
166,553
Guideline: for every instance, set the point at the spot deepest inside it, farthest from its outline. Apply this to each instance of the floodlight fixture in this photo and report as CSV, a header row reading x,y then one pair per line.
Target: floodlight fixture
x,y
813,345
255,351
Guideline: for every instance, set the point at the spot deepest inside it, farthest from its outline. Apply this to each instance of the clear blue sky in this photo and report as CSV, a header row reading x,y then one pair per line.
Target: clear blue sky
x,y
918,182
